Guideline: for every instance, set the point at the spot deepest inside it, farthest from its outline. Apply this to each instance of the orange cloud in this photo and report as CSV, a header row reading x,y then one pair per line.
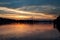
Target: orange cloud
x,y
23,15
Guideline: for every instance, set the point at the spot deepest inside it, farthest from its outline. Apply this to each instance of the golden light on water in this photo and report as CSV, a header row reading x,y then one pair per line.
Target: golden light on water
x,y
24,29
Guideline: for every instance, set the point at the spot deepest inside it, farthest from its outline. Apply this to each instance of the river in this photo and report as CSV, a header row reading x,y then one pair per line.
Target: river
x,y
22,31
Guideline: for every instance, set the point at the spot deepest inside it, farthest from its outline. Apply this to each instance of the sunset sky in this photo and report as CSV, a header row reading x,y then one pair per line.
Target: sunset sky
x,y
29,9
44,12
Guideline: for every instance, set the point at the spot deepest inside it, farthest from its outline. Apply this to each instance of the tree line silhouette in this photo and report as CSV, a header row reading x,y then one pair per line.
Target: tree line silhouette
x,y
8,21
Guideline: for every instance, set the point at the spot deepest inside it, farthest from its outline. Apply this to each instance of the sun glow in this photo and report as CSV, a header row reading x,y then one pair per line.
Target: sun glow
x,y
23,15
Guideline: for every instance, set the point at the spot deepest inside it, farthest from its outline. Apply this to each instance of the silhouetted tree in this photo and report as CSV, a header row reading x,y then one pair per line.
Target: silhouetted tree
x,y
57,23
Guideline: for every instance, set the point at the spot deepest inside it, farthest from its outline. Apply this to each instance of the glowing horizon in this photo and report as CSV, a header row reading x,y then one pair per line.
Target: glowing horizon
x,y
23,15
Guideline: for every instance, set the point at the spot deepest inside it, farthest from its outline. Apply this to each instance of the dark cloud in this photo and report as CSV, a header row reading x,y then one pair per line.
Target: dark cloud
x,y
19,3
42,9
24,3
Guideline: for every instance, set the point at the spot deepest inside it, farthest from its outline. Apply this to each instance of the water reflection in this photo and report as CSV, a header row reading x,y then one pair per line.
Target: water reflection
x,y
27,30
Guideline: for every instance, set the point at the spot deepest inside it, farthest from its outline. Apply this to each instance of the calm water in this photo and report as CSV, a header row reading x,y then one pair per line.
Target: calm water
x,y
32,31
